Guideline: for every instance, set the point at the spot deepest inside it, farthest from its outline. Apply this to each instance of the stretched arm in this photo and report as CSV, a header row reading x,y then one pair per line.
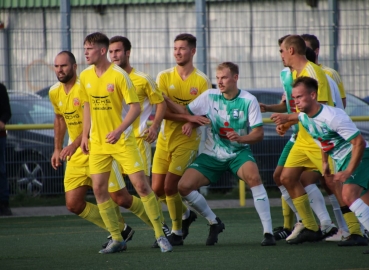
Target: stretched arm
x,y
256,135
68,151
282,118
358,148
60,129
152,132
279,108
133,112
86,127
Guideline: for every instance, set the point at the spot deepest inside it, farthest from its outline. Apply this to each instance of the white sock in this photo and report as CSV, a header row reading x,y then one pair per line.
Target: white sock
x,y
287,198
338,213
196,201
317,203
186,214
262,206
361,211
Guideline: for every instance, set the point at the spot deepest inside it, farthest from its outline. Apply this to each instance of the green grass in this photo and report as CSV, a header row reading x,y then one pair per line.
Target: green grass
x,y
68,242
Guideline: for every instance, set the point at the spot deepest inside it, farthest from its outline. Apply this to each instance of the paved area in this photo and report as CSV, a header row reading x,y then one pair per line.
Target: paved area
x,y
62,210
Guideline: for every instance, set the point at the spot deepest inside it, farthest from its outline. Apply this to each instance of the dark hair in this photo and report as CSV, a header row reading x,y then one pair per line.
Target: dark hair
x,y
310,55
97,38
310,83
191,40
125,41
280,41
313,40
71,57
232,67
296,42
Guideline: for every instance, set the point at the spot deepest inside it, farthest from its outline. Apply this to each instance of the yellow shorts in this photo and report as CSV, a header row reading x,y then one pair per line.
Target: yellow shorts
x,y
75,177
175,162
311,160
129,158
145,150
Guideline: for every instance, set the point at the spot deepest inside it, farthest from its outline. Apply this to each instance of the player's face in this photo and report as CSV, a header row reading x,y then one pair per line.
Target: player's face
x,y
284,55
63,68
303,99
182,52
93,53
225,80
118,55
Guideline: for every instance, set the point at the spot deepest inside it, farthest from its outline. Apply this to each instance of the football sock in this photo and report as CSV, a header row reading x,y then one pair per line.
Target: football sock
x,y
138,209
361,211
109,216
288,215
162,199
338,213
287,198
122,223
151,206
198,202
91,213
317,203
353,224
302,205
174,203
261,202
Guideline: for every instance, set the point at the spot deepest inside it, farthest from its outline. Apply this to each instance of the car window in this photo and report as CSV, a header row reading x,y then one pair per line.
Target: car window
x,y
355,106
31,112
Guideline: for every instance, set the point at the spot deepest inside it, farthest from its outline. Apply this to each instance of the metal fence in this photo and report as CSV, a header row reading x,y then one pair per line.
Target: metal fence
x,y
245,32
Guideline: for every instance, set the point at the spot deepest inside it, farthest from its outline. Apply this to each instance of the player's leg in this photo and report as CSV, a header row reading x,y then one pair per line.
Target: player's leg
x,y
245,167
199,174
100,166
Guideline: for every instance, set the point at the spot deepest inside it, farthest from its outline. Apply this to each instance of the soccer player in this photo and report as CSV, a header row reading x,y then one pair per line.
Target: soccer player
x,y
105,89
231,113
338,137
305,155
149,95
68,107
179,139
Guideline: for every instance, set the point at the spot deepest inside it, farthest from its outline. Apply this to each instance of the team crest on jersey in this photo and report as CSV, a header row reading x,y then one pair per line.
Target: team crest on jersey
x,y
76,102
236,113
110,87
194,91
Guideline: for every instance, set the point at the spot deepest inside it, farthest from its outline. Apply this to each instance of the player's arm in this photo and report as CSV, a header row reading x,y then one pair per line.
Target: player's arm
x,y
133,112
358,148
256,135
68,151
326,170
60,129
152,132
282,118
86,127
278,108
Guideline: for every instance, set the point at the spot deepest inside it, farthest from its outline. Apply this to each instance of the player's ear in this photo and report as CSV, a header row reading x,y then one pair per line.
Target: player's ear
x,y
193,51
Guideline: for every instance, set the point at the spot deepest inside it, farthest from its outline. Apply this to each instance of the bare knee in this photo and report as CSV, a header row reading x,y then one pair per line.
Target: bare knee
x,y
253,180
277,178
122,198
76,206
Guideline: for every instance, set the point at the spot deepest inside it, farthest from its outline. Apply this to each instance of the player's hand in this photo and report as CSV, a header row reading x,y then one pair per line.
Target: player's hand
x,y
152,134
67,152
283,98
201,120
84,146
263,107
55,161
187,129
113,137
282,129
342,176
279,118
233,136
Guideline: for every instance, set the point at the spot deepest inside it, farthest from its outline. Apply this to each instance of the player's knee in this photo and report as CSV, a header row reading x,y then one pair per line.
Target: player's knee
x,y
123,201
76,207
277,178
285,180
183,189
348,198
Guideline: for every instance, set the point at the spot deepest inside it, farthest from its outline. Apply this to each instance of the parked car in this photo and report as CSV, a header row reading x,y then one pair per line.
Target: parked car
x,y
28,152
44,92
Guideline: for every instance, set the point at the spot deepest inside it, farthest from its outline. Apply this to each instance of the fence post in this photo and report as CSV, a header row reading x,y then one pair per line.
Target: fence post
x,y
333,33
65,25
201,18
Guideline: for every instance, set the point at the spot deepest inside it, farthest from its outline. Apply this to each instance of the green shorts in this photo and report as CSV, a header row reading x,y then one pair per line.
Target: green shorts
x,y
361,174
286,150
212,168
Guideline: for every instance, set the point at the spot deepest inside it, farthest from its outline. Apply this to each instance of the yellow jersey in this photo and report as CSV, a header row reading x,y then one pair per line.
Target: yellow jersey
x,y
336,77
181,92
304,140
107,95
148,94
70,106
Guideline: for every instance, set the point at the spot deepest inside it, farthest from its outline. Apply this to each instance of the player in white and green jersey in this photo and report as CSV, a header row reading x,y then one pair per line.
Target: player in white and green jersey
x,y
230,113
337,136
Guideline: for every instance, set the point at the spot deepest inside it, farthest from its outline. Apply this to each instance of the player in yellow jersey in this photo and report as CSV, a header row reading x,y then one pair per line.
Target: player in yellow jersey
x,y
304,155
179,139
105,89
149,95
68,107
